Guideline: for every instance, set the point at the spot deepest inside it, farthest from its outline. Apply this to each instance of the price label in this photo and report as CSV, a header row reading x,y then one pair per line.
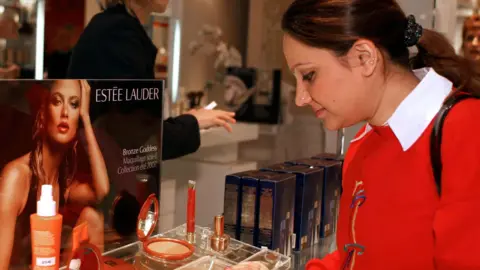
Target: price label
x,y
46,261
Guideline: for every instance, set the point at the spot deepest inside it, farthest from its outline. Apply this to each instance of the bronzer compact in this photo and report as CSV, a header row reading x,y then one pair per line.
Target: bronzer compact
x,y
158,252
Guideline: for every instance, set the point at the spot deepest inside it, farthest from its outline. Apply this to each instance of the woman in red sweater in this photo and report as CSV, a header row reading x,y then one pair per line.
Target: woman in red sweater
x,y
351,62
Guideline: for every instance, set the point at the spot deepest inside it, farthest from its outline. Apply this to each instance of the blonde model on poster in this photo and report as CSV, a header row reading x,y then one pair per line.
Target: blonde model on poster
x,y
53,160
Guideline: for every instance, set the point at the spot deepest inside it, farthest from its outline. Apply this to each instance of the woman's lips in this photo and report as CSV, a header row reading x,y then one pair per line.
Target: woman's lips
x,y
320,113
63,127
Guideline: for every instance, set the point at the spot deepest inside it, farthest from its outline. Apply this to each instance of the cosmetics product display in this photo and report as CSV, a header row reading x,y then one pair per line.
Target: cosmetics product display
x,y
232,204
46,228
85,256
308,200
206,263
191,212
331,191
264,204
203,256
79,235
328,156
219,241
159,252
239,205
248,210
275,209
208,248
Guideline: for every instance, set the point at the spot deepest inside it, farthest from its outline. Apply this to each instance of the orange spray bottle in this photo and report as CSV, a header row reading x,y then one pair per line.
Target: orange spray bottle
x,y
46,232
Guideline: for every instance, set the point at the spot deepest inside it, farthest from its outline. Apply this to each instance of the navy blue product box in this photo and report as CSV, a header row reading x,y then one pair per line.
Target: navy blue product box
x,y
276,206
331,191
329,156
308,202
250,189
233,202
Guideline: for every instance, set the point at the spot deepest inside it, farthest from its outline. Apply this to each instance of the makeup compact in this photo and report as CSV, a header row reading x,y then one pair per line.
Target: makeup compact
x,y
158,252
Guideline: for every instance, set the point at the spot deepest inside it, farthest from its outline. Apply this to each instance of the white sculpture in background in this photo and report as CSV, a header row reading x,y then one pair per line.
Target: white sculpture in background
x,y
210,43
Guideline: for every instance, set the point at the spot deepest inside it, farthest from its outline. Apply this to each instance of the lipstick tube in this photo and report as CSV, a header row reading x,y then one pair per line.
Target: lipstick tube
x,y
191,211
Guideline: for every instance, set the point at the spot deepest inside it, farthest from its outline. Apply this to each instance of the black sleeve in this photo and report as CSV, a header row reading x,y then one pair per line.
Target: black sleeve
x,y
181,136
112,55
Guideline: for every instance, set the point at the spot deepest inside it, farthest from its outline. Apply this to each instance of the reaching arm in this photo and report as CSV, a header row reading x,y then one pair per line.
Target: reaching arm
x,y
456,224
13,191
99,187
181,136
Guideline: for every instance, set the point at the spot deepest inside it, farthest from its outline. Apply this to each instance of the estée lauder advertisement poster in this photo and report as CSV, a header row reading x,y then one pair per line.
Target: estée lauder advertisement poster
x,y
97,143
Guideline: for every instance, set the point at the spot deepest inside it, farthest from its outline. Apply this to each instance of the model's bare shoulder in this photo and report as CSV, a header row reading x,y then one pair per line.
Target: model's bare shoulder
x,y
15,180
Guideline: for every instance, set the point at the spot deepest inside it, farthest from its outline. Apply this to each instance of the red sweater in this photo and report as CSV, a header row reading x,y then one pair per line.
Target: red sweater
x,y
390,214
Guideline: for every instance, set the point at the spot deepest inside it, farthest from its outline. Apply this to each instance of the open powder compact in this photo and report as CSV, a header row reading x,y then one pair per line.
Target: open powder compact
x,y
159,252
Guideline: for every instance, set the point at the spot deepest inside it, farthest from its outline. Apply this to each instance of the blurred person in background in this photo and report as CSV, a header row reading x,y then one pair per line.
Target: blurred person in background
x,y
8,30
58,58
115,45
471,37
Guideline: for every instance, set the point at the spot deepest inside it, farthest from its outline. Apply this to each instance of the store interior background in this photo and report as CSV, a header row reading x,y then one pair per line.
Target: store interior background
x,y
253,28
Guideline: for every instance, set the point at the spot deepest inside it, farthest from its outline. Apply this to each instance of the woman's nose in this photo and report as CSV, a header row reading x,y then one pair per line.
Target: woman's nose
x,y
64,111
302,97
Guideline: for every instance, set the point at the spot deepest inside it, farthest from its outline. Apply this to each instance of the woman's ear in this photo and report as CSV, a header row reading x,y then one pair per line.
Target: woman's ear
x,y
364,55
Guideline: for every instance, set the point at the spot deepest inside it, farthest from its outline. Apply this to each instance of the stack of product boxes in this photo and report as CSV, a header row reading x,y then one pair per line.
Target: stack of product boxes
x,y
259,209
284,206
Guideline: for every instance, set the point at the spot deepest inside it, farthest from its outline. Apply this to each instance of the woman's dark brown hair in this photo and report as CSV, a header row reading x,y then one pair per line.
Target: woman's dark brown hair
x,y
337,24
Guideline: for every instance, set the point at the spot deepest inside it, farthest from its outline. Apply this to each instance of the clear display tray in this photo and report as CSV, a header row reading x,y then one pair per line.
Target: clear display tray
x,y
236,253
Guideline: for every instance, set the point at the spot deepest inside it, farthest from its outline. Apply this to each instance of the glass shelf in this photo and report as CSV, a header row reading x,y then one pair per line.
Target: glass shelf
x,y
236,253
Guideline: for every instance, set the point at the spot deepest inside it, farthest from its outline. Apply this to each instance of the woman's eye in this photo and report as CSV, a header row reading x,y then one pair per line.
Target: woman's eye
x,y
75,104
56,101
309,76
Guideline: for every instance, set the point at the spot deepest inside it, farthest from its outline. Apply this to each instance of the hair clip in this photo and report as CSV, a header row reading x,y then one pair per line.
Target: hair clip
x,y
413,32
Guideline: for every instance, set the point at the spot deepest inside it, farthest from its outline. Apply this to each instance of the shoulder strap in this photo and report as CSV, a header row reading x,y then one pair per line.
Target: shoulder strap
x,y
436,136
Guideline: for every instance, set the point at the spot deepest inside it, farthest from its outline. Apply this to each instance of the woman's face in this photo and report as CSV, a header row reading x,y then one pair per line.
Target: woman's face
x,y
63,111
336,92
471,39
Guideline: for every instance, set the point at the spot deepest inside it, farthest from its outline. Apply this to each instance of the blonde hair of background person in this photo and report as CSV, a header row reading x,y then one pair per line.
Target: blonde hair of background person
x,y
140,8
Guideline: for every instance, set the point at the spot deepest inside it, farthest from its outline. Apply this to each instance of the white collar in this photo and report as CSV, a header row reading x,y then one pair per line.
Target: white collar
x,y
417,110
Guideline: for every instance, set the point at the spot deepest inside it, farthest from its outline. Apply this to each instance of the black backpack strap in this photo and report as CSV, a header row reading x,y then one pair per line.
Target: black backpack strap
x,y
436,136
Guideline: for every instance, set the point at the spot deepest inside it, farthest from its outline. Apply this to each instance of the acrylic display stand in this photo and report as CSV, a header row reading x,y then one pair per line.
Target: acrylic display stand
x,y
237,252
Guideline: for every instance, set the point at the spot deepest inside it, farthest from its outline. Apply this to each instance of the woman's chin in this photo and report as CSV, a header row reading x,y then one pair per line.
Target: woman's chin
x,y
61,140
331,125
